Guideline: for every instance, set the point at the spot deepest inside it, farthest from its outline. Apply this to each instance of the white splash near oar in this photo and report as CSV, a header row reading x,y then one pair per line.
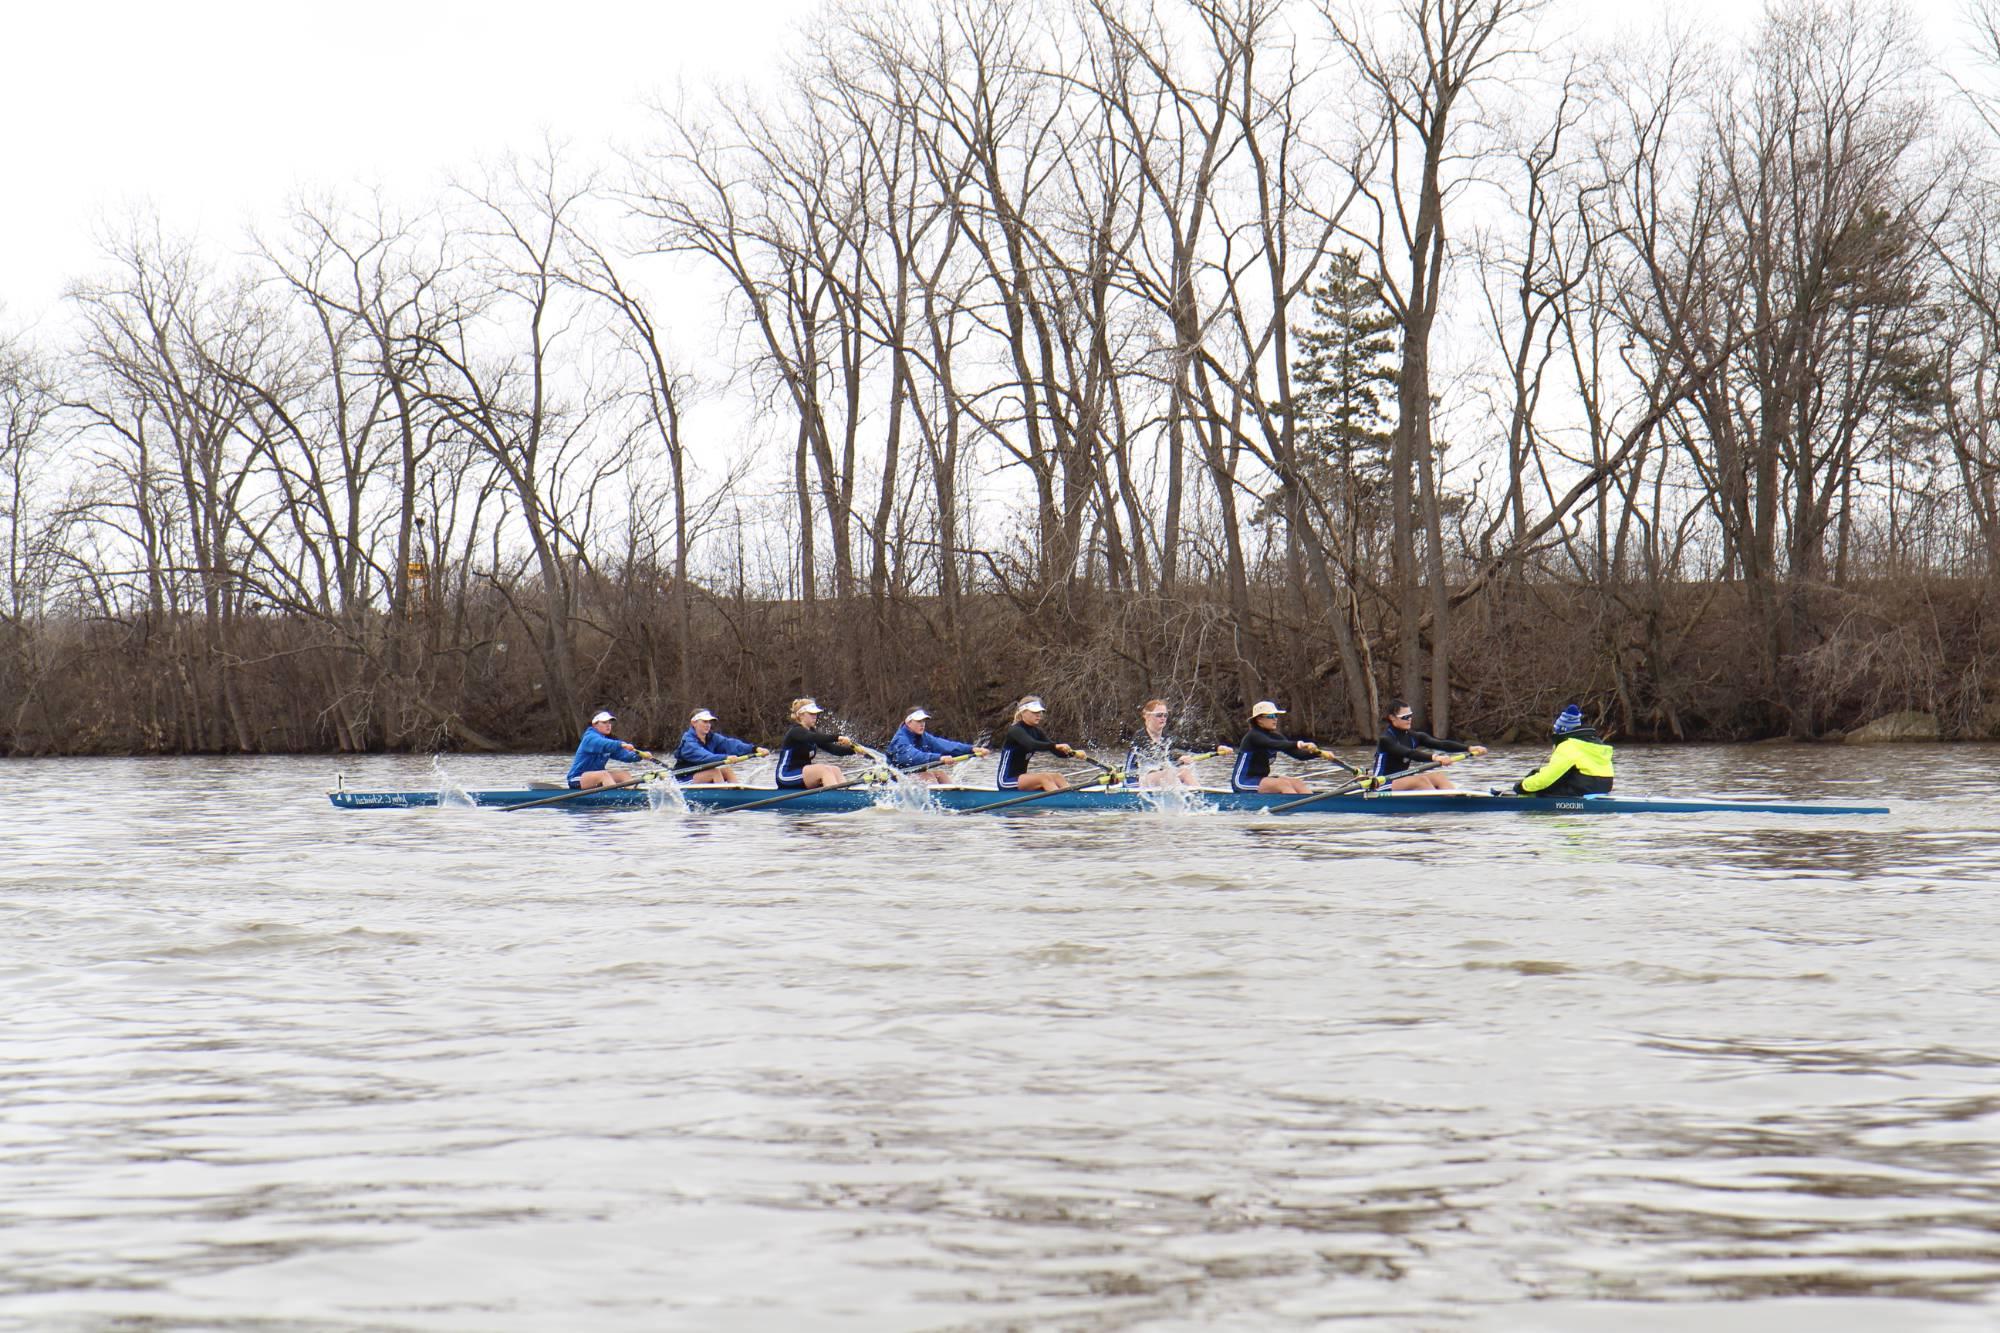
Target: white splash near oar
x,y
903,791
451,795
664,793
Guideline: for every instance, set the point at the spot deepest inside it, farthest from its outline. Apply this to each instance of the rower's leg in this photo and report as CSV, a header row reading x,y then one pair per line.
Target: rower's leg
x,y
820,775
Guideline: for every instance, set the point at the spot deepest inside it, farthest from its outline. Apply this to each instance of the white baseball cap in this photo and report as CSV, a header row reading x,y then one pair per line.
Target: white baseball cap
x,y
1265,708
701,715
806,706
1032,704
917,715
603,716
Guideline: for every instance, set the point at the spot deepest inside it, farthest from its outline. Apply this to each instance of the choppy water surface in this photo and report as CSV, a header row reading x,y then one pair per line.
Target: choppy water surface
x,y
267,1065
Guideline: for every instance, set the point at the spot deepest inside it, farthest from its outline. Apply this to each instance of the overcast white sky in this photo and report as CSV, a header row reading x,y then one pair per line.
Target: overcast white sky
x,y
218,111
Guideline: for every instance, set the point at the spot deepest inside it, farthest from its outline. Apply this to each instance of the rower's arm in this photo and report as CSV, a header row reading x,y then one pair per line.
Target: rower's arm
x,y
1409,751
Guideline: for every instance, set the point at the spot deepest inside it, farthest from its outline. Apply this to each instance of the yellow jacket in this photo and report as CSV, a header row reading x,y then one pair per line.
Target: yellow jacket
x,y
1579,765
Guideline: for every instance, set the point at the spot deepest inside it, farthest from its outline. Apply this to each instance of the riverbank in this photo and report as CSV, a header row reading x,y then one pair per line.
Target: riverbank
x,y
479,673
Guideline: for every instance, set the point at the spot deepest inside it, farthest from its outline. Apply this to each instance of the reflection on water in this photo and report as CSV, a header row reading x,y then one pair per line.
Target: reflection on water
x,y
269,1065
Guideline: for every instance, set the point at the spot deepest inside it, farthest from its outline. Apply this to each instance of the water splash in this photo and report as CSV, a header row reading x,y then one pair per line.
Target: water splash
x,y
906,792
664,795
1175,799
451,795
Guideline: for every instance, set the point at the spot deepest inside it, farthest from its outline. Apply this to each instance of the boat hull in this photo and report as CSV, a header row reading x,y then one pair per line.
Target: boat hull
x,y
974,800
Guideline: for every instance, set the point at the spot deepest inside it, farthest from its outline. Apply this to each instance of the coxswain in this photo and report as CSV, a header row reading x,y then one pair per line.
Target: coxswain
x,y
1580,765
1254,751
590,769
1026,739
795,753
1154,760
702,744
1402,746
913,747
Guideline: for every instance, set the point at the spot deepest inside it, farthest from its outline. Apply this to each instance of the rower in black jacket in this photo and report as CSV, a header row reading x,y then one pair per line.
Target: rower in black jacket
x,y
1024,740
1401,746
802,743
1259,744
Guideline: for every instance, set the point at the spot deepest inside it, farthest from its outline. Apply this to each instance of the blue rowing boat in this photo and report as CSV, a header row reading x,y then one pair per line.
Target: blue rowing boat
x,y
974,799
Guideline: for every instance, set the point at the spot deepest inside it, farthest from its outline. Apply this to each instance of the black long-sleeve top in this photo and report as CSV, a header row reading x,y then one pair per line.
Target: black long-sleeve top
x,y
1254,751
1022,743
1397,750
801,743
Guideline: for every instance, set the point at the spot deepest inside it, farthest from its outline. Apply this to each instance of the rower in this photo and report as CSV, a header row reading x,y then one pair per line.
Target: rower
x,y
1580,765
802,742
1154,760
1254,751
702,744
914,747
1026,739
1401,745
590,769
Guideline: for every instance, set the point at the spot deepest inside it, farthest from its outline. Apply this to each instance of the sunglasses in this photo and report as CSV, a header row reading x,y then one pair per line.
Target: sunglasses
x,y
1404,717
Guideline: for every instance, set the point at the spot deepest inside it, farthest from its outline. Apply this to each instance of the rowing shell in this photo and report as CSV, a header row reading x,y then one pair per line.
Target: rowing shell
x,y
714,797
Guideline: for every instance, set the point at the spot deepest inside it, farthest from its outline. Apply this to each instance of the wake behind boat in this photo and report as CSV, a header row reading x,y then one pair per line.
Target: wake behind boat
x,y
720,798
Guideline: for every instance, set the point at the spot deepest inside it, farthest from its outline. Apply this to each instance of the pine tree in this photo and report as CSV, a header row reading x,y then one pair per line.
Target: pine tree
x,y
1345,396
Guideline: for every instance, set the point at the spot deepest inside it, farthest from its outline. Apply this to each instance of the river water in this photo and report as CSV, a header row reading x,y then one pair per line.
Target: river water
x,y
270,1066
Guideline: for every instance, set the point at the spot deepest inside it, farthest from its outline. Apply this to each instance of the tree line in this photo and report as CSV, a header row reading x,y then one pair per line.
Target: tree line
x,y
1214,349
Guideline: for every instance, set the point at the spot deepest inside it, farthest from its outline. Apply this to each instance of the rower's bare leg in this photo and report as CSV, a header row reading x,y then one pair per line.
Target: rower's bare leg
x,y
1158,777
1422,782
724,774
821,775
603,777
1042,782
1278,786
1188,779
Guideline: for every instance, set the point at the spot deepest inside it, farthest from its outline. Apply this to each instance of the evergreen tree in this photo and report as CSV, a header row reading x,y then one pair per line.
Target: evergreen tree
x,y
1344,395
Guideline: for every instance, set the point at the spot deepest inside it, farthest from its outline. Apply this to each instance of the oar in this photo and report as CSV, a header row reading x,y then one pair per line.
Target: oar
x,y
1107,770
647,776
942,761
1360,783
870,774
1106,779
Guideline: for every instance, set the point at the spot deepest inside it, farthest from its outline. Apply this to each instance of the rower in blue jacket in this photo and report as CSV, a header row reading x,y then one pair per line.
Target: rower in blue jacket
x,y
702,744
591,768
913,747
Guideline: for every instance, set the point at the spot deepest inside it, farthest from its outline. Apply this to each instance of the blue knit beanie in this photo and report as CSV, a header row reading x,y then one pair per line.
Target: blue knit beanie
x,y
1570,719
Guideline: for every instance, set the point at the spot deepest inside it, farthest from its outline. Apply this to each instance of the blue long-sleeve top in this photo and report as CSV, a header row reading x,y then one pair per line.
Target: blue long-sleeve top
x,y
595,751
908,749
718,747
